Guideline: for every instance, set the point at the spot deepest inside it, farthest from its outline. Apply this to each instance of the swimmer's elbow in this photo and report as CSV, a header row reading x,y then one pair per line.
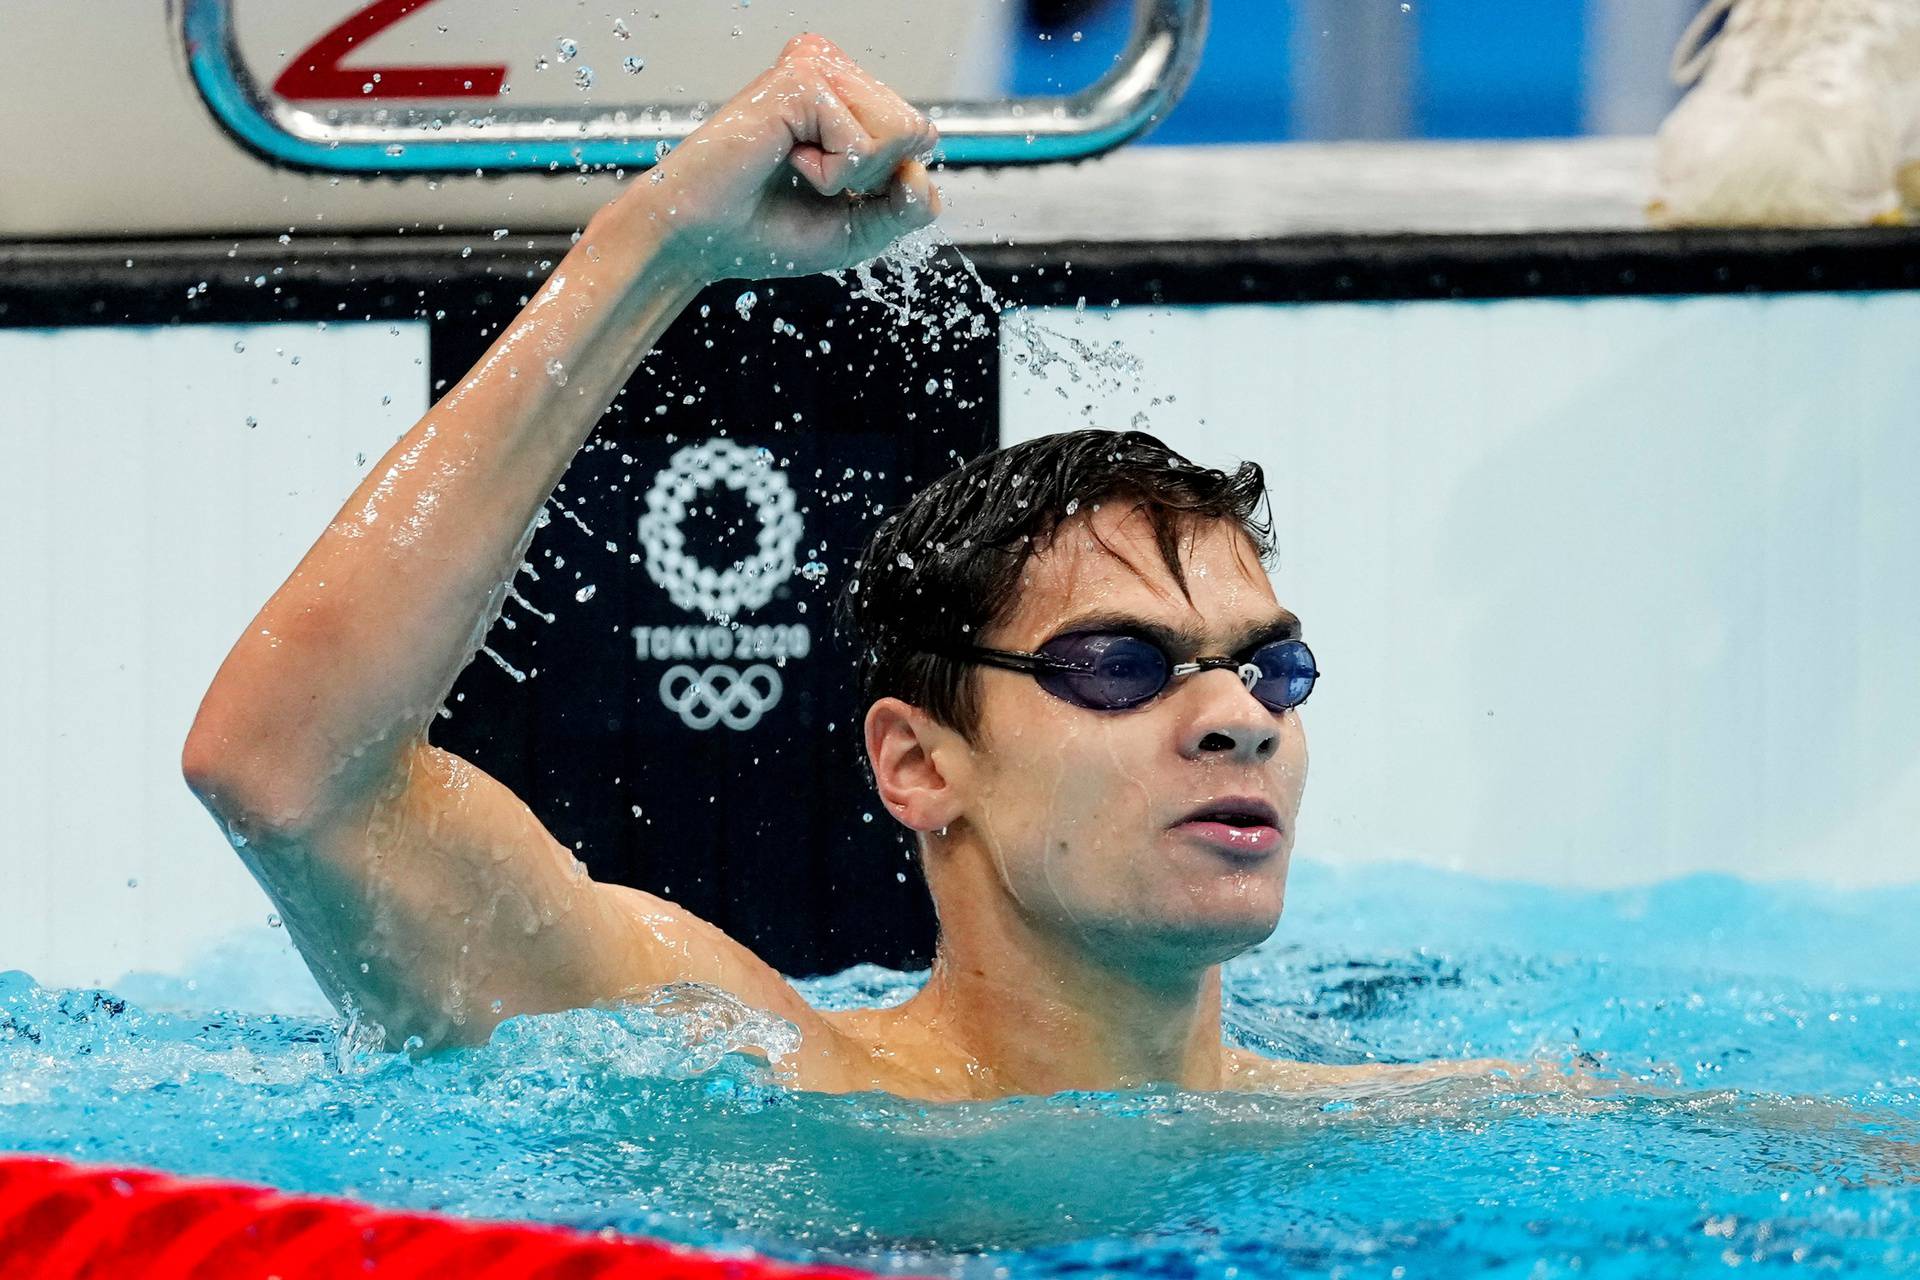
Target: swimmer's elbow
x,y
255,808
205,764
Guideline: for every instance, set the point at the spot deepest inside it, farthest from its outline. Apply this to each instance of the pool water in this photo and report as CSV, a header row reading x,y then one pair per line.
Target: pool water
x,y
1764,1044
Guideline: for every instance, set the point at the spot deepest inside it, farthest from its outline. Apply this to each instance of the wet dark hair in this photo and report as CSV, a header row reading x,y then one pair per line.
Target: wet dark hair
x,y
945,568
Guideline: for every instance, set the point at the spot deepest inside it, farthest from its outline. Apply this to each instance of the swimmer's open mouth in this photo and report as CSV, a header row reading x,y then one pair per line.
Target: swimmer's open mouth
x,y
1239,828
1235,811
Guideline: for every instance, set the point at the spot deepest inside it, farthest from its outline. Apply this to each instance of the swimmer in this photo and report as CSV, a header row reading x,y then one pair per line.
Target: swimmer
x,y
1082,694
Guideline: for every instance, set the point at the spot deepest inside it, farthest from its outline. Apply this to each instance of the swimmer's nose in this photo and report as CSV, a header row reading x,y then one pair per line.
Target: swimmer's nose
x,y
1226,722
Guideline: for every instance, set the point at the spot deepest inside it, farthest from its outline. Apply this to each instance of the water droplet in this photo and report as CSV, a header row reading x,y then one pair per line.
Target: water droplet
x,y
273,921
499,233
866,817
933,385
585,593
744,303
133,882
567,48
633,65
252,421
583,78
620,29
556,371
904,560
239,347
813,571
539,64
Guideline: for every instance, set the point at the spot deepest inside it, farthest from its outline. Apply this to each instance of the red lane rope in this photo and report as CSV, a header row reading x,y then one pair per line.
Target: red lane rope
x,y
62,1221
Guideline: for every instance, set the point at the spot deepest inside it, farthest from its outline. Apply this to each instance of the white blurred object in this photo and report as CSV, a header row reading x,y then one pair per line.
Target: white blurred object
x,y
1802,113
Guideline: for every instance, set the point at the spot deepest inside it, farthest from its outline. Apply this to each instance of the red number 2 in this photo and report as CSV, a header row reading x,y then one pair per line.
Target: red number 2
x,y
316,73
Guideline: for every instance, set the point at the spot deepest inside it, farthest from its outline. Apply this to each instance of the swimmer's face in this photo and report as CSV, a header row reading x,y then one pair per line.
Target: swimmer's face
x,y
1090,816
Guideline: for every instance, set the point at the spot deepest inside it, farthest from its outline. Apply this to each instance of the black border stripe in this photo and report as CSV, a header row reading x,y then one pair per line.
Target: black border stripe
x,y
405,276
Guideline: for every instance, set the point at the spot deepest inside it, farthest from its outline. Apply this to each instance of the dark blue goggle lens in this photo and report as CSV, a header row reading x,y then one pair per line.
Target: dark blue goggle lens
x,y
1287,673
1111,672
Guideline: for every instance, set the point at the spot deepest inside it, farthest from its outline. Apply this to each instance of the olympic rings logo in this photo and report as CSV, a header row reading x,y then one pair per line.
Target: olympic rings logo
x,y
747,584
720,695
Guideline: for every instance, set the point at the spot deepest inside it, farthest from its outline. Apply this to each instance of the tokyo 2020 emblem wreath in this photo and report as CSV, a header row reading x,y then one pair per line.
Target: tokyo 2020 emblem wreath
x,y
723,593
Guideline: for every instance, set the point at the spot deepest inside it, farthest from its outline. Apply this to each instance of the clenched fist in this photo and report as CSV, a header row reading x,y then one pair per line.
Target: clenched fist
x,y
814,166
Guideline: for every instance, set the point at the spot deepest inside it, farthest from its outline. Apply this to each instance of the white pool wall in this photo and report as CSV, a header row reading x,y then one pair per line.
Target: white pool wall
x,y
149,523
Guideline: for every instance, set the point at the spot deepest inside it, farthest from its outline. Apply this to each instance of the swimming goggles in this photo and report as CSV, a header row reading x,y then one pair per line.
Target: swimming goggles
x,y
1115,670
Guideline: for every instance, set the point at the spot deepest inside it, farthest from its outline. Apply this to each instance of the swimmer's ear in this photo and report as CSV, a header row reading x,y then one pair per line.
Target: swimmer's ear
x,y
906,748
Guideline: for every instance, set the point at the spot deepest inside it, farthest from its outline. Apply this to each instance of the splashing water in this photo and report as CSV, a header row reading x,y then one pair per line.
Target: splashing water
x,y
1774,1030
928,305
519,676
515,596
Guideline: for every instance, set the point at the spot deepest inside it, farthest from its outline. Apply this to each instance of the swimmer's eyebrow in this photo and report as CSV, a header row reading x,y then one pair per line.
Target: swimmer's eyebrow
x,y
1284,624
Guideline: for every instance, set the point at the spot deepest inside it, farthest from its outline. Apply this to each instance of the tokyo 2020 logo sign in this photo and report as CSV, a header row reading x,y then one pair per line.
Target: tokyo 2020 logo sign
x,y
715,693
748,584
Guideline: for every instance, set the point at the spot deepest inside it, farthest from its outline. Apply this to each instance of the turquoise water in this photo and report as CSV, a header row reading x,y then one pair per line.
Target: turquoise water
x,y
1765,1042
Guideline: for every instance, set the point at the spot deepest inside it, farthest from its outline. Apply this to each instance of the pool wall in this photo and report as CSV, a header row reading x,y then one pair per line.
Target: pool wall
x,y
1603,541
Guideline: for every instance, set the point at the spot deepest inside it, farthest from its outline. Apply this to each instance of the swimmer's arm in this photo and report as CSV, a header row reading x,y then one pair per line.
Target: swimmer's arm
x,y
809,168
1499,1074
311,748
1887,1138
444,906
311,745
335,681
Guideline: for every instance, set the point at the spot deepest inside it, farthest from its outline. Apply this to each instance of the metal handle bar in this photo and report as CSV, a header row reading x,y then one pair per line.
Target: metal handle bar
x,y
1136,92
